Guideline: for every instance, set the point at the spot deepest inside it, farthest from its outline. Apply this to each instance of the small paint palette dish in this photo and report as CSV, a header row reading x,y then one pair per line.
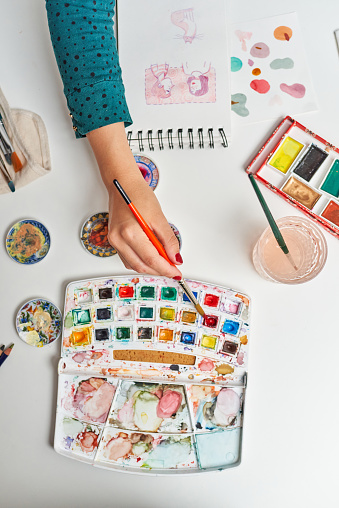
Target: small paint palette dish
x,y
303,168
177,234
148,169
146,385
28,242
39,322
94,236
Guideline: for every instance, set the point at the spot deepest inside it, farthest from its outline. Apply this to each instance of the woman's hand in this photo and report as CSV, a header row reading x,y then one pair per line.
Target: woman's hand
x,y
115,160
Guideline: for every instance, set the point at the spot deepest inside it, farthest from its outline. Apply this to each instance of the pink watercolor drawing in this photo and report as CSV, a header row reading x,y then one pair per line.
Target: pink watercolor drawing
x,y
243,37
184,19
163,84
174,85
198,79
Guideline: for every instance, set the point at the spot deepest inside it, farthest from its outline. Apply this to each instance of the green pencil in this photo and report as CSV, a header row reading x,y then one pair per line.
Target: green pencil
x,y
275,230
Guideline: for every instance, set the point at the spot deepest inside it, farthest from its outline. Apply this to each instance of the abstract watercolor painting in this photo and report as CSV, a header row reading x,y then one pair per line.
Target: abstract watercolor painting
x,y
269,72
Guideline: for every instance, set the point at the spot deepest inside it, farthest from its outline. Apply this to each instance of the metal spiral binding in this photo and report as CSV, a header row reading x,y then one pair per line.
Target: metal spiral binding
x,y
150,140
201,138
170,139
211,139
190,138
141,146
180,140
160,141
190,135
223,137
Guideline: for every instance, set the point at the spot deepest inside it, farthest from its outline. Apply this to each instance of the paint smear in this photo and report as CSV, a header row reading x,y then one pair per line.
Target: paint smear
x,y
236,64
250,62
238,101
260,50
260,85
206,365
283,33
243,37
276,100
297,90
256,72
224,369
282,63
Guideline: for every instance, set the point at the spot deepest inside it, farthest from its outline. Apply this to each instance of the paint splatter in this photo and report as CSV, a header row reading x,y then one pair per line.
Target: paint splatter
x,y
250,62
282,63
283,33
297,90
243,37
238,101
260,85
276,100
260,50
236,64
256,72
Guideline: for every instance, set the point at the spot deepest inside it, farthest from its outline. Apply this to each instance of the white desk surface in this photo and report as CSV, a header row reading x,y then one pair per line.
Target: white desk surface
x,y
291,445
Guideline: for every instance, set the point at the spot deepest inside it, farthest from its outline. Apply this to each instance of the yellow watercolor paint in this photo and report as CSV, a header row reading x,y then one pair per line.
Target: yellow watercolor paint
x,y
286,154
209,341
188,316
166,334
167,313
80,337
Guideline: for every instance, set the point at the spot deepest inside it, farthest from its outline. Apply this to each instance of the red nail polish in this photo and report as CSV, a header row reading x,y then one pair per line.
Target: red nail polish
x,y
177,277
178,258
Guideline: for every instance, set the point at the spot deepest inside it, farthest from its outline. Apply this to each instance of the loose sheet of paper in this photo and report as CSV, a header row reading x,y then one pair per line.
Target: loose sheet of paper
x,y
270,77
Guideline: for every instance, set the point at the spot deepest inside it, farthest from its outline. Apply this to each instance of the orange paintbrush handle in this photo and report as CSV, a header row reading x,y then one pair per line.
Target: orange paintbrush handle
x,y
151,236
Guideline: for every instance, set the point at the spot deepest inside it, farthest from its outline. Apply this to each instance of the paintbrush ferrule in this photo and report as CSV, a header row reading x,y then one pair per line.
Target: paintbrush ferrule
x,y
191,296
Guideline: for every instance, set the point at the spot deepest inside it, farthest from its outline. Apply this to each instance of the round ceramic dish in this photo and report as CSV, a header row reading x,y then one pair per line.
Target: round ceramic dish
x,y
28,242
94,236
148,169
39,322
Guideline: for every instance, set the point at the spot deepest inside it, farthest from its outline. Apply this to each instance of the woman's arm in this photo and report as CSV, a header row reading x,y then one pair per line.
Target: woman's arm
x,y
85,49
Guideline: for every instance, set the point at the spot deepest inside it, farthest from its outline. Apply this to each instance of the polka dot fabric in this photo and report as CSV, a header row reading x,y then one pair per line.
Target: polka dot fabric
x,y
85,49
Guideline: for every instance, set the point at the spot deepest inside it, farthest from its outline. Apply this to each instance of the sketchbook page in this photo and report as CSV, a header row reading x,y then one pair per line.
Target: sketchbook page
x,y
269,72
175,63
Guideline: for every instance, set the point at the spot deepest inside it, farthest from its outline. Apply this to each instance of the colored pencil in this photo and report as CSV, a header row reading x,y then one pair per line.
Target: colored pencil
x,y
6,354
157,244
2,350
275,230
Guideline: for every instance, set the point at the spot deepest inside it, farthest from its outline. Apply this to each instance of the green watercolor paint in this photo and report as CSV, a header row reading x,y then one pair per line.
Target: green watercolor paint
x,y
331,183
81,316
69,320
282,63
146,313
147,292
123,333
168,293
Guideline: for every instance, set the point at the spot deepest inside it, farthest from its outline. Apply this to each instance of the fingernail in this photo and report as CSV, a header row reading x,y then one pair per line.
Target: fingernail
x,y
177,277
178,258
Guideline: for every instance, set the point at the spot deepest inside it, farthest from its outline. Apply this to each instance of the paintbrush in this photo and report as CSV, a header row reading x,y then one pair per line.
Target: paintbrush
x,y
7,176
160,248
7,148
275,230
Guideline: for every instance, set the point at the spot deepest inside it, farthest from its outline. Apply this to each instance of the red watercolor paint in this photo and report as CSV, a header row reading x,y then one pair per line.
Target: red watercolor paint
x,y
211,300
260,85
210,321
126,292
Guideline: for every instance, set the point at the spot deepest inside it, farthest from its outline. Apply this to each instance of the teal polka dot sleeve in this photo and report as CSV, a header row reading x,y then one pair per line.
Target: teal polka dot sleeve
x,y
85,49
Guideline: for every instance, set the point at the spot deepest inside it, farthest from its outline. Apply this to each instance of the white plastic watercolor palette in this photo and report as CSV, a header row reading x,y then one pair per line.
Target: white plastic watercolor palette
x,y
304,169
146,384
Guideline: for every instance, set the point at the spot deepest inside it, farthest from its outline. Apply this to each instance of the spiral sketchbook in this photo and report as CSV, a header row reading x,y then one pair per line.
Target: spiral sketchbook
x,y
175,67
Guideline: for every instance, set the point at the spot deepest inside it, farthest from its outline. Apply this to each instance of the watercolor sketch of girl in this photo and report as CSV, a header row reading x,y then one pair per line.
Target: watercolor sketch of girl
x,y
163,85
184,19
198,79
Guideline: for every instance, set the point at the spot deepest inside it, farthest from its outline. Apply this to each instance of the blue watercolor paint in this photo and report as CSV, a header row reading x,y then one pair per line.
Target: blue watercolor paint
x,y
218,449
169,453
236,64
187,338
185,297
230,327
238,101
282,63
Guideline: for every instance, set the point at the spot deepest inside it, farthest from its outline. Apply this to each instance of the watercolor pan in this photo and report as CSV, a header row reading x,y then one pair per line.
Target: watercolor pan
x,y
143,390
308,178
